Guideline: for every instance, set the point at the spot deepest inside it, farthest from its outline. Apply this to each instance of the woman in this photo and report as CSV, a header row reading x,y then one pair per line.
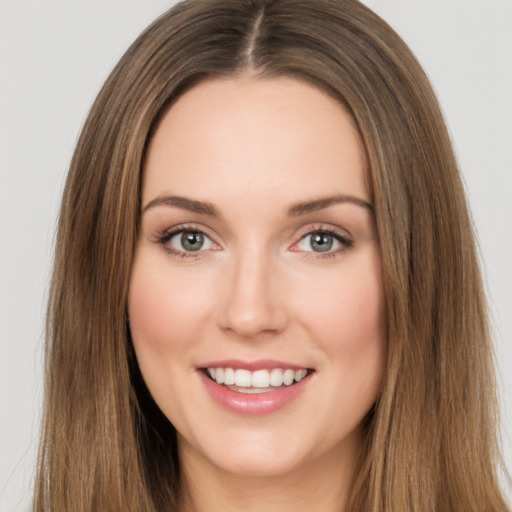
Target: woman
x,y
266,293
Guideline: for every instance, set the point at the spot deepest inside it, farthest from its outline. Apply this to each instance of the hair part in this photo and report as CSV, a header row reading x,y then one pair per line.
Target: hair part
x,y
431,441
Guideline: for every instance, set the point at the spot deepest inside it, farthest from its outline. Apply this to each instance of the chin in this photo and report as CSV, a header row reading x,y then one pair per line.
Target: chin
x,y
258,463
262,453
248,452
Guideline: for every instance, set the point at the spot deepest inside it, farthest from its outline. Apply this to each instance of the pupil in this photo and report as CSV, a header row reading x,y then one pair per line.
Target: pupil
x,y
321,242
192,241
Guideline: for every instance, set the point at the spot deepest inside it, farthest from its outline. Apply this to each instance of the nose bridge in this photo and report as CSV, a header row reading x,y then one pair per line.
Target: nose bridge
x,y
252,304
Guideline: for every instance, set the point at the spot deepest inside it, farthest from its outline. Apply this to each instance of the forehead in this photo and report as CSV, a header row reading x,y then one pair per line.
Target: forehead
x,y
276,138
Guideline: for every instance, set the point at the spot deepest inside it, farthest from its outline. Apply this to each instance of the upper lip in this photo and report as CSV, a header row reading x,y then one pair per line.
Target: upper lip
x,y
260,364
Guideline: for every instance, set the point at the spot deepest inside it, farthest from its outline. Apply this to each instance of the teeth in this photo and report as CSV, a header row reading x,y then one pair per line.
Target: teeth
x,y
288,377
259,379
243,378
300,374
229,376
276,377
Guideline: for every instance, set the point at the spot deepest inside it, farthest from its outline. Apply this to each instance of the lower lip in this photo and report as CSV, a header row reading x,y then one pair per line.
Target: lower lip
x,y
253,404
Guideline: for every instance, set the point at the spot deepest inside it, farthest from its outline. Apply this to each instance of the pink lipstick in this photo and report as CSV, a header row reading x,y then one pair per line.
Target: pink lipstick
x,y
256,387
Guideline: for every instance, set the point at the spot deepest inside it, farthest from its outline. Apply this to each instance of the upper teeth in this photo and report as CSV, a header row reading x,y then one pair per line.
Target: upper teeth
x,y
256,379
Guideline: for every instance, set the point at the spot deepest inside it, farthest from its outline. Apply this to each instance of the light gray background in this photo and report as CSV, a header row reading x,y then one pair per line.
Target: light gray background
x,y
55,55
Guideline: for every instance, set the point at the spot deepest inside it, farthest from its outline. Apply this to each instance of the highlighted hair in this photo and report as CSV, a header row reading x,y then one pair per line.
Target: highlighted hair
x,y
431,438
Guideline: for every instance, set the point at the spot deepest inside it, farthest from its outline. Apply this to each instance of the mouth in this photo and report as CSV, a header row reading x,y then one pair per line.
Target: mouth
x,y
262,380
254,388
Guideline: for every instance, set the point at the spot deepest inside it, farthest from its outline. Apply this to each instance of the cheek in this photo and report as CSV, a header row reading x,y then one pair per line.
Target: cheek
x,y
346,315
149,307
163,305
348,307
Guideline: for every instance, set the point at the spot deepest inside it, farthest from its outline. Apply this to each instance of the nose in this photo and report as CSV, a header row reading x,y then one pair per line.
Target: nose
x,y
253,299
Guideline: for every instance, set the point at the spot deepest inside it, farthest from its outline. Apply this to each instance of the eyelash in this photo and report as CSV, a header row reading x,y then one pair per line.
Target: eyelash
x,y
344,241
164,237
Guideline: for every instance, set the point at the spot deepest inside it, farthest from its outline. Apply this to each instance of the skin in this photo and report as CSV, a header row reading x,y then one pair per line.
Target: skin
x,y
252,148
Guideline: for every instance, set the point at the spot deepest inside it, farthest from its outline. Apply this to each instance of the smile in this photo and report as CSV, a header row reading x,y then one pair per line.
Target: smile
x,y
259,381
256,388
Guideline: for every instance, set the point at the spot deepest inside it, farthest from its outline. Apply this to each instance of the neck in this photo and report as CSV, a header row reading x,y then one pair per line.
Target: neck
x,y
321,484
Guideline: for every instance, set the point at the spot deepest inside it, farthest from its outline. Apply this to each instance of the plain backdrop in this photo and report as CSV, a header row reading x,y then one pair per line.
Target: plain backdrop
x,y
55,54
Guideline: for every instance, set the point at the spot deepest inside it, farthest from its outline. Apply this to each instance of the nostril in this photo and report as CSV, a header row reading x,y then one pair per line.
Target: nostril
x,y
252,304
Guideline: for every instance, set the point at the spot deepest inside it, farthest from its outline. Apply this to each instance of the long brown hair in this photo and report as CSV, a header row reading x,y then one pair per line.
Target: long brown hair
x,y
431,436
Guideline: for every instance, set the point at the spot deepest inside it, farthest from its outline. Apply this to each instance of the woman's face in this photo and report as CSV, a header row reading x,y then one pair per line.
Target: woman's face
x,y
258,263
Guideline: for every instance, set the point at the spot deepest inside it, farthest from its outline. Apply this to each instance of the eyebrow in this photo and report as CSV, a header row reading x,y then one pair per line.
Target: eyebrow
x,y
185,203
315,205
296,210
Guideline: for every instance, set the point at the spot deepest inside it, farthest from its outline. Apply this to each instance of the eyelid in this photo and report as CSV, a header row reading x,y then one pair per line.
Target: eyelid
x,y
323,228
168,232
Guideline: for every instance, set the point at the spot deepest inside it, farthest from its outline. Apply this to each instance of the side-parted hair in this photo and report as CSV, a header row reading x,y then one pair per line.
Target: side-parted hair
x,y
431,437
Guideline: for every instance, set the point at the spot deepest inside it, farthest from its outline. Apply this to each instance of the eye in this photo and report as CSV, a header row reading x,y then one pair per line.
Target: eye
x,y
322,242
190,241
